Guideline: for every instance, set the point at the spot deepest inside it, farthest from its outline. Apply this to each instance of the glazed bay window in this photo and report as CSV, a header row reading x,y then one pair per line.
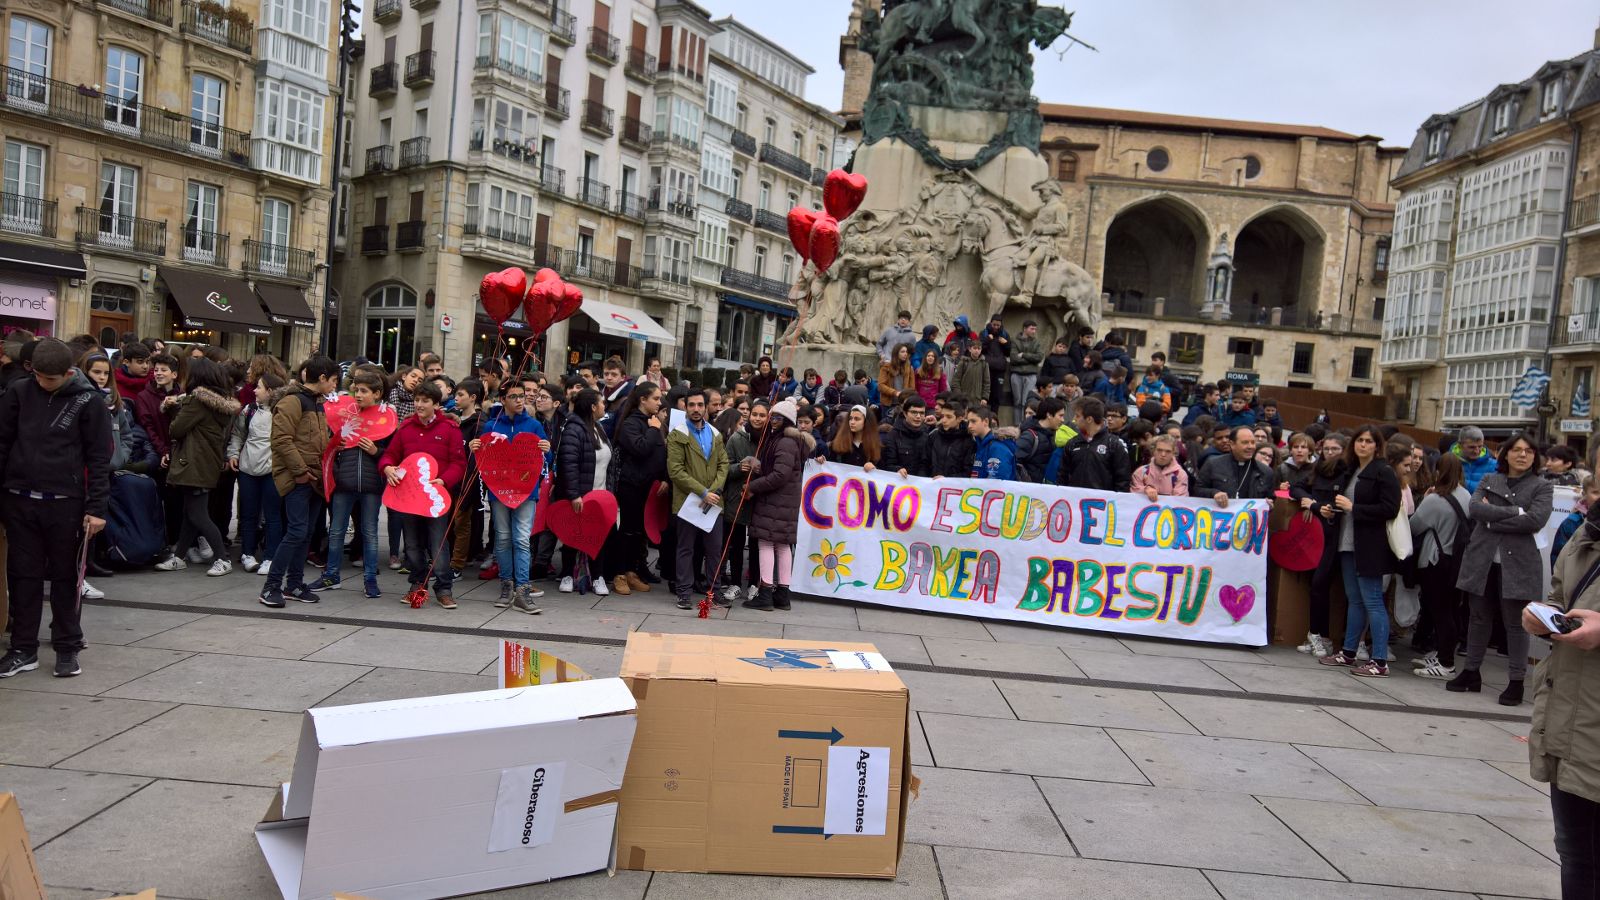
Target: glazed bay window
x,y
716,167
501,213
288,129
511,44
712,244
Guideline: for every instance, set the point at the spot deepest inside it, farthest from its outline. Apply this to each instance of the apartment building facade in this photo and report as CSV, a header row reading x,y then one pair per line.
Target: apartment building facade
x,y
164,170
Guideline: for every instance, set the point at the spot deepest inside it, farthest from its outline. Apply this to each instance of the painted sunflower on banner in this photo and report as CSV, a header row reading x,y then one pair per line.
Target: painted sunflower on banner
x,y
833,563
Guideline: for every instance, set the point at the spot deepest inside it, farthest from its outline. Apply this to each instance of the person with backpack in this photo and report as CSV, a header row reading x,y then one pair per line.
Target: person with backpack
x,y
132,451
1440,533
299,435
250,454
201,420
357,488
430,432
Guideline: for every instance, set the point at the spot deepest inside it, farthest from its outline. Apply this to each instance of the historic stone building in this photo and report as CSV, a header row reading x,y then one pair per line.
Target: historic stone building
x,y
164,169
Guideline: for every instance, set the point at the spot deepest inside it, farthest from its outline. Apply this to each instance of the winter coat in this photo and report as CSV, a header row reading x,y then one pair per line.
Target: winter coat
x,y
57,443
440,438
199,432
1153,390
1220,474
1290,473
995,352
1501,530
1169,482
950,453
995,454
694,474
1196,410
1564,737
895,385
905,447
811,393
1473,470
1322,490
1057,366
1026,354
925,346
1099,463
929,387
892,337
1234,418
1115,356
132,448
356,471
741,446
1034,447
1434,527
1376,500
777,488
575,461
129,386
972,379
299,434
641,451
250,440
761,385
148,413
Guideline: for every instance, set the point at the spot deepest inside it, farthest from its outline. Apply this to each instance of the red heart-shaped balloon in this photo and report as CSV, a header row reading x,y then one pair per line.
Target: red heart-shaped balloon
x,y
843,192
585,531
510,469
800,222
543,275
567,302
657,512
537,307
824,242
501,293
416,493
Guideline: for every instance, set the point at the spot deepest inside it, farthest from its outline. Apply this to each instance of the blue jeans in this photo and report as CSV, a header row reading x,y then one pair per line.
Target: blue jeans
x,y
426,549
513,551
258,499
366,507
301,508
1364,609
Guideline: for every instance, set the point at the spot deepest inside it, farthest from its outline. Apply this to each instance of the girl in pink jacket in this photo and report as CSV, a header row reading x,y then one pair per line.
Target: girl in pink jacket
x,y
1161,476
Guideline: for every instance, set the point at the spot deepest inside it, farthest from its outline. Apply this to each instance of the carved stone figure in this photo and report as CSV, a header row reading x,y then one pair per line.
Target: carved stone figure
x,y
1045,237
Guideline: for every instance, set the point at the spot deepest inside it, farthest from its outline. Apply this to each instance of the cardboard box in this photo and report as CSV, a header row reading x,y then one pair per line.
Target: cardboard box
x,y
19,875
764,756
440,796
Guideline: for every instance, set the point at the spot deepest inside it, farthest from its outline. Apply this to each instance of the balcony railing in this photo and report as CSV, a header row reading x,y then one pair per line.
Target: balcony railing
x,y
490,64
750,282
785,161
474,227
818,176
557,100
738,209
28,215
419,69
409,236
218,29
593,193
771,221
511,147
590,267
1589,333
118,232
384,80
668,139
206,247
423,5
673,202
386,11
630,205
1585,212
564,27
278,261
374,240
413,152
597,117
635,133
744,143
546,256
641,65
157,11
603,47
86,107
552,180
380,159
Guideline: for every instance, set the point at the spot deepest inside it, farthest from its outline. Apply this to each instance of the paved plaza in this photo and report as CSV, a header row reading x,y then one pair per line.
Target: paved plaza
x,y
1053,763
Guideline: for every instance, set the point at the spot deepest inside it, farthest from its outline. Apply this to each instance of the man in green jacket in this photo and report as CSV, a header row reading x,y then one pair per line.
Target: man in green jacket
x,y
697,464
1026,354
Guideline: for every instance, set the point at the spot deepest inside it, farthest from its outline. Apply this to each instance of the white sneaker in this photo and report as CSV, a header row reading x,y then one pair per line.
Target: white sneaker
x,y
1433,671
249,563
90,592
194,556
566,585
1310,646
600,588
266,568
206,553
220,567
730,593
1324,647
750,594
1363,653
172,563
1431,658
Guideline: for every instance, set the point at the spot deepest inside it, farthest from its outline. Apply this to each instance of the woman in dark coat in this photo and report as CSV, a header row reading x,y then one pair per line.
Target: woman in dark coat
x,y
584,463
1503,568
1365,505
1316,492
776,494
641,445
199,431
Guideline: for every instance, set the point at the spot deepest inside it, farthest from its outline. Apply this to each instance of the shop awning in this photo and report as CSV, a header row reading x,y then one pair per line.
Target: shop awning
x,y
286,305
759,306
42,260
624,322
215,301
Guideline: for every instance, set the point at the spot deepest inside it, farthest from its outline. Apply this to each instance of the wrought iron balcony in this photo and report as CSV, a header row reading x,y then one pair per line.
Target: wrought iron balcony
x,y
117,232
738,209
384,80
413,152
508,145
522,237
419,69
380,159
546,256
818,176
784,161
589,268
28,215
1585,212
630,205
668,139
206,247
597,117
557,100
635,133
676,203
744,143
423,5
771,221
386,11
235,34
488,65
157,11
278,261
86,107
409,236
603,47
593,193
552,180
752,283
374,240
641,65
563,27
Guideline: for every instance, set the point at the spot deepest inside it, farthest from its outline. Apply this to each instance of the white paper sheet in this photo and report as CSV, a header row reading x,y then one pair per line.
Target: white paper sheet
x,y
699,515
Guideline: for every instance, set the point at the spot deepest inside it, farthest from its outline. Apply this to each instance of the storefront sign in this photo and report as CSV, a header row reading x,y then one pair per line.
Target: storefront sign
x,y
28,298
1577,426
1236,376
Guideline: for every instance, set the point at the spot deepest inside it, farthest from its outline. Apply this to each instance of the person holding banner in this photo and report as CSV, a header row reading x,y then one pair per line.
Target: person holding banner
x,y
1237,474
994,455
1369,500
905,444
1316,495
1095,459
950,447
776,490
855,440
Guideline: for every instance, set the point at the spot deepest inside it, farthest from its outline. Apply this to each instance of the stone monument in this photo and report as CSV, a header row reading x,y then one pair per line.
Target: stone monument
x,y
961,216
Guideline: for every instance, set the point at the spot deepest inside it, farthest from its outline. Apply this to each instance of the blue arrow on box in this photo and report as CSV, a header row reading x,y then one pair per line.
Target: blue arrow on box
x,y
832,736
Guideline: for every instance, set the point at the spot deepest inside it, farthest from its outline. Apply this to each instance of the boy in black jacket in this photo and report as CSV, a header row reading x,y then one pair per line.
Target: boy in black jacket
x,y
905,443
56,488
951,448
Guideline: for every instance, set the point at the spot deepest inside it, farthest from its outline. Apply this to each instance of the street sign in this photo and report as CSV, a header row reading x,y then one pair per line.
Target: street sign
x,y
446,324
1547,408
1577,426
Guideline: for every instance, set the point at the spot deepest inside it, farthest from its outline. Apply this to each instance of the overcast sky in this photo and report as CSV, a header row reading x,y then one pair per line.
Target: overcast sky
x,y
1363,66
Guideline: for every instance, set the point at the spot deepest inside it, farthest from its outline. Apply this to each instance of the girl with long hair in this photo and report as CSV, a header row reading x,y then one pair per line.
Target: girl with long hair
x,y
931,380
855,439
897,377
199,430
1435,527
1316,493
1364,507
584,463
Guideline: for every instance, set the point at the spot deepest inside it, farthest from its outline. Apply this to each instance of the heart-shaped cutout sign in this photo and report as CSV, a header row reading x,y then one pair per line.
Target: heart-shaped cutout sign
x,y
1237,601
541,512
537,307
501,293
586,530
800,222
350,423
416,493
510,469
825,242
842,193
566,302
543,275
657,512
328,453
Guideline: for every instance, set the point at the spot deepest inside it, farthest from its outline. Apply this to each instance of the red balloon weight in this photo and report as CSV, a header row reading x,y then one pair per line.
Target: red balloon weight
x,y
501,293
842,192
824,242
543,275
800,222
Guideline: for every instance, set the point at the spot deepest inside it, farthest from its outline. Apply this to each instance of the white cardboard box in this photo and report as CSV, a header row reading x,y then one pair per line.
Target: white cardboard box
x,y
440,796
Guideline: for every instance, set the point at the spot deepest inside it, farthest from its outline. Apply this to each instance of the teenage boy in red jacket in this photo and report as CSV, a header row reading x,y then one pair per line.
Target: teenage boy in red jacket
x,y
427,432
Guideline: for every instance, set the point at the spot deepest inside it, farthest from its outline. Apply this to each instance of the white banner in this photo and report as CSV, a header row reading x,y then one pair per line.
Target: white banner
x,y
1182,568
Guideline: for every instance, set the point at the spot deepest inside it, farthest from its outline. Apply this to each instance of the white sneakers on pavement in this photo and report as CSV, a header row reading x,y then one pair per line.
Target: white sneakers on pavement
x,y
249,563
220,567
90,592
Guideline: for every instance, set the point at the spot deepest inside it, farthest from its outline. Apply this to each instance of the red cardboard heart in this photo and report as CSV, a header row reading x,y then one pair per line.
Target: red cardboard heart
x,y
350,423
1297,548
501,293
842,192
510,469
543,275
824,242
801,221
542,511
416,493
328,453
567,303
657,512
538,307
587,530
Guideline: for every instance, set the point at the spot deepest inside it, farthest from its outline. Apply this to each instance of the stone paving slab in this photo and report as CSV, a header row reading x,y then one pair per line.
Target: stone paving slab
x,y
561,618
402,684
1321,683
958,653
1170,826
201,743
1165,670
242,681
42,729
1026,748
249,637
921,754
399,649
469,613
1407,732
1239,766
994,875
897,648
597,886
105,666
1388,846
875,618
822,613
1540,833
672,624
1065,638
54,800
1426,692
960,694
1103,707
1266,720
1436,783
1521,772
917,879
1218,652
657,602
984,811
124,625
1240,886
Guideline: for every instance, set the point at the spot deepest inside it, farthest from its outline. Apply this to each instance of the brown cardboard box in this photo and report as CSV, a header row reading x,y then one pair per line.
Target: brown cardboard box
x,y
764,756
19,876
